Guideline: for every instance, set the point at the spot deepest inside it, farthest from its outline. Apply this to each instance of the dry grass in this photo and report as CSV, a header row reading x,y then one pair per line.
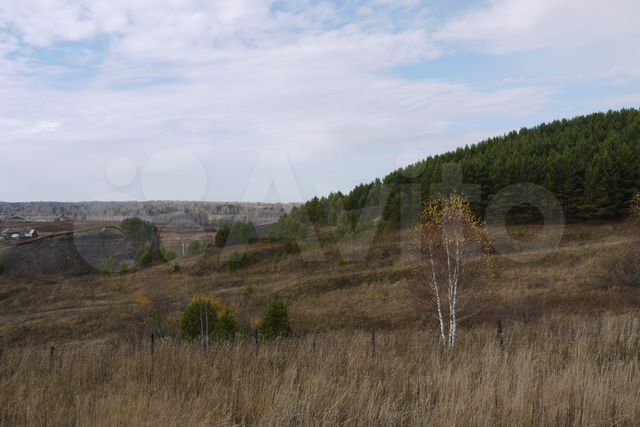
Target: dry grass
x,y
323,295
572,353
557,371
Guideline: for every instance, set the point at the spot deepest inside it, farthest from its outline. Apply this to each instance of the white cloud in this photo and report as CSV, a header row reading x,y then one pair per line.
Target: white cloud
x,y
226,80
586,38
508,26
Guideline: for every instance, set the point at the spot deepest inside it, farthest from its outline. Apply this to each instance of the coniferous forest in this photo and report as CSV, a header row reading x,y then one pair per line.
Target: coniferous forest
x,y
590,163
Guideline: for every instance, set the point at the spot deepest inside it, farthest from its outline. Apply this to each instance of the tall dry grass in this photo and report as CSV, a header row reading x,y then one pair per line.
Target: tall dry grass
x,y
557,371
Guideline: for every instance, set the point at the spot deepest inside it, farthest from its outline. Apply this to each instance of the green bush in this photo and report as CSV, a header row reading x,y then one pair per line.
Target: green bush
x,y
147,240
226,327
146,255
200,313
124,268
167,254
239,232
288,227
138,230
109,266
221,324
275,321
350,226
237,261
176,268
196,247
222,235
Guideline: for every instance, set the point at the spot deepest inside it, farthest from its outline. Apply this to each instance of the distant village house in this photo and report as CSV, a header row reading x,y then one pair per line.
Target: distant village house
x,y
13,219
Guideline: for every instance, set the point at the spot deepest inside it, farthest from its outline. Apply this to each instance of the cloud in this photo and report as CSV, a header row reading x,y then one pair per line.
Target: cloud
x,y
591,38
509,26
226,80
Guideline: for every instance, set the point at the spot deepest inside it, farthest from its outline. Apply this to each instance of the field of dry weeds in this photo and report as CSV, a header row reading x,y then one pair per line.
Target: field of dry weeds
x,y
571,353
556,371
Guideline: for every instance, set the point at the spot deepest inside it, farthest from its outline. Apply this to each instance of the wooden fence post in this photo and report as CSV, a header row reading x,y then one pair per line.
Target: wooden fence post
x,y
257,342
373,342
52,352
500,335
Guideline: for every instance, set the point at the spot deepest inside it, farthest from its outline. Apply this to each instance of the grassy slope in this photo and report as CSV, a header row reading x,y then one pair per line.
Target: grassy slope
x,y
322,294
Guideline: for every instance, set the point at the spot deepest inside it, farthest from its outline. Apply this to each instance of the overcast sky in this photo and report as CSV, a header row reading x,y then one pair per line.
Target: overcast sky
x,y
266,100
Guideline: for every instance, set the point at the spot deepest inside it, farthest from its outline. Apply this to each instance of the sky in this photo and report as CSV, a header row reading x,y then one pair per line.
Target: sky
x,y
260,100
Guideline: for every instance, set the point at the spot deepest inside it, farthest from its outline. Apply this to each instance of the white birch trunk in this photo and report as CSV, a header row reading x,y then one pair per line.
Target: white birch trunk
x,y
436,289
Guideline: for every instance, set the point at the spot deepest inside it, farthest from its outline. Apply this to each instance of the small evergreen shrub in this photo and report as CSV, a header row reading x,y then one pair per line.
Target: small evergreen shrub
x,y
226,327
222,235
275,321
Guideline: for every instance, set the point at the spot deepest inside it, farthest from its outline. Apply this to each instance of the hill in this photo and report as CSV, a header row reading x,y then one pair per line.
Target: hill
x,y
590,163
324,294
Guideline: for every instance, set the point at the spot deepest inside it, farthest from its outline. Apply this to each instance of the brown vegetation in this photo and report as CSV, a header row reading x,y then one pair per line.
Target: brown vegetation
x,y
322,295
571,353
558,371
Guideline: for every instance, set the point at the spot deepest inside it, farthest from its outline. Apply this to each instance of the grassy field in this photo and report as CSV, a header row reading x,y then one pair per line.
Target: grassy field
x,y
556,371
571,357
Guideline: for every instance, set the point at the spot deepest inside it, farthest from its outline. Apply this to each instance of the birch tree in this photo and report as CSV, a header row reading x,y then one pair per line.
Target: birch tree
x,y
453,258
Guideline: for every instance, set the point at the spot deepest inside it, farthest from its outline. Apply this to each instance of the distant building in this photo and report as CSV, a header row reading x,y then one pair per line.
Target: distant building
x,y
50,219
13,219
